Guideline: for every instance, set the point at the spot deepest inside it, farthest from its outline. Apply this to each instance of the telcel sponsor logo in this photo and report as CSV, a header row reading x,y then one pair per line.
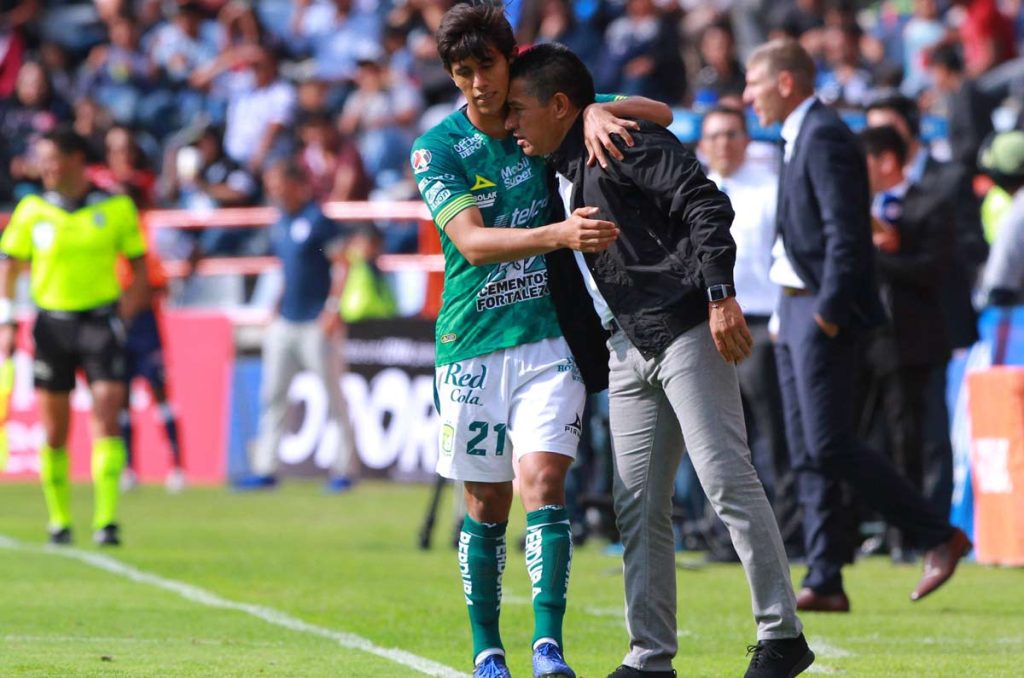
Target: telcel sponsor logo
x,y
521,216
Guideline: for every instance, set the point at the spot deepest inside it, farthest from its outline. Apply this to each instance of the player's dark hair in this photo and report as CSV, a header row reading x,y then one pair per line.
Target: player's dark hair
x,y
884,139
471,30
551,68
67,140
905,107
722,109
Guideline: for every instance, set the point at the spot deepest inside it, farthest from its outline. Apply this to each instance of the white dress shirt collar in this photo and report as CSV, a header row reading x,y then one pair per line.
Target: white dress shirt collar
x,y
793,122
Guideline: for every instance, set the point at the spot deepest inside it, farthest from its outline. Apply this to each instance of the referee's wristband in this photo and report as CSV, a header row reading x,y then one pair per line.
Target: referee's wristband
x,y
6,311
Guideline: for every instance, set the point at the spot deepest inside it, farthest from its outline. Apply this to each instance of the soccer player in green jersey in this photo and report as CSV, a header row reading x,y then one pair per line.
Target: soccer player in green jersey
x,y
507,383
72,235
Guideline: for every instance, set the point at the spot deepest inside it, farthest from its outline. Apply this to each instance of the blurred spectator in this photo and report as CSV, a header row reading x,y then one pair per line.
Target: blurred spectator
x,y
555,21
331,161
125,169
381,113
204,178
721,74
333,32
843,80
641,56
913,236
987,36
119,74
923,31
240,24
259,107
14,16
797,18
91,122
415,23
57,63
185,43
33,111
1003,160
968,109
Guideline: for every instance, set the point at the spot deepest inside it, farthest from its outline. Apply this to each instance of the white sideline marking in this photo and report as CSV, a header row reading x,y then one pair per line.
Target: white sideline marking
x,y
267,614
826,650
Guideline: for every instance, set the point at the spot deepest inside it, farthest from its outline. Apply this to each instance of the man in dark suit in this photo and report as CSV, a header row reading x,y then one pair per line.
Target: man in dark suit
x,y
912,229
941,181
830,298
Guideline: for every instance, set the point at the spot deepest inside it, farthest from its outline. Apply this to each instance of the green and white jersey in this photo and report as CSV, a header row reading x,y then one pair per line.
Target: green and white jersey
x,y
496,306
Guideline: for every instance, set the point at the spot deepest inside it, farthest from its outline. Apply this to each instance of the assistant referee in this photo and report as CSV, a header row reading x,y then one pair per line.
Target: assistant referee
x,y
72,235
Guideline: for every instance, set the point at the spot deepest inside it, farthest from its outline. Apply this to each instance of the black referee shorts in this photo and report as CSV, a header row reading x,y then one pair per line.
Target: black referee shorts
x,y
93,340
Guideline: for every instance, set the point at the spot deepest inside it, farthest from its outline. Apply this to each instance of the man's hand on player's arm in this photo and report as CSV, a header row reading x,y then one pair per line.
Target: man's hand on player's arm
x,y
601,121
481,245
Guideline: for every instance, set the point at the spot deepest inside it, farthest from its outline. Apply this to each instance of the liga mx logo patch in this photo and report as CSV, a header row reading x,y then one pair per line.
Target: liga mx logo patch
x,y
420,160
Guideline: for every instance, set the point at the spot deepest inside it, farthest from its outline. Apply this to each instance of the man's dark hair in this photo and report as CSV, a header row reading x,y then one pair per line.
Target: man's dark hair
x,y
67,140
905,107
471,30
551,68
290,170
884,139
721,109
946,55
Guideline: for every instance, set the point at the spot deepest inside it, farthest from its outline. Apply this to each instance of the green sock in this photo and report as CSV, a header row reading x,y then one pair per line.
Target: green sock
x,y
481,563
108,458
548,559
54,476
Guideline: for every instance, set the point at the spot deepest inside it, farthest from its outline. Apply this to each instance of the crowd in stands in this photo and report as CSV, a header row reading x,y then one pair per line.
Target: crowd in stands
x,y
186,102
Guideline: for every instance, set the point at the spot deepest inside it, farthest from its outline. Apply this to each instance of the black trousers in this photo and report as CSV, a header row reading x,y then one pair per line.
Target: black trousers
x,y
766,432
817,376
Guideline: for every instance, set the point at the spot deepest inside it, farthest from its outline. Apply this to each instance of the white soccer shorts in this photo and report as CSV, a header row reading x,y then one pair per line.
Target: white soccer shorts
x,y
518,400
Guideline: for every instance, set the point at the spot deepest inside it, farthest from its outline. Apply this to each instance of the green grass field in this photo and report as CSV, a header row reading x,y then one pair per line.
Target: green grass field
x,y
345,565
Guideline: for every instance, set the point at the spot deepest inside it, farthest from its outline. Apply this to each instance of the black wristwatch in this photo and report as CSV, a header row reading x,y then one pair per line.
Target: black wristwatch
x,y
720,292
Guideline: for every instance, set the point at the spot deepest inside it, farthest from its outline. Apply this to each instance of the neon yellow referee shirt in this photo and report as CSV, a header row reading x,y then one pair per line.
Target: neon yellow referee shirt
x,y
73,248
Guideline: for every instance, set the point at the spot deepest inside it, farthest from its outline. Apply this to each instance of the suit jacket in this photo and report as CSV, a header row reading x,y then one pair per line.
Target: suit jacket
x,y
824,218
949,180
912,279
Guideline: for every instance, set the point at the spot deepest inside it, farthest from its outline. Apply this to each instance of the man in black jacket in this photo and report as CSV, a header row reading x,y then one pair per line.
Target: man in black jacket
x,y
941,181
912,230
830,298
655,288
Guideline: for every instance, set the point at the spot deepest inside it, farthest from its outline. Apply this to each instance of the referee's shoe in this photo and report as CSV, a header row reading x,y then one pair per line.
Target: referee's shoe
x,y
108,535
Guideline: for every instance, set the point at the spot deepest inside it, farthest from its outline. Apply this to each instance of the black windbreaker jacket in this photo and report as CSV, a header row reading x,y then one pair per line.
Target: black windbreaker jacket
x,y
674,243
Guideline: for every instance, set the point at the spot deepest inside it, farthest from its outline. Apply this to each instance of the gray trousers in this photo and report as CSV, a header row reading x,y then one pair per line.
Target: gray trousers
x,y
686,399
289,348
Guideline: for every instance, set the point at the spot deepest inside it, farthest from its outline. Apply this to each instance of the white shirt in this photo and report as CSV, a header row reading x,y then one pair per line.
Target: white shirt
x,y
251,111
600,305
782,271
753,191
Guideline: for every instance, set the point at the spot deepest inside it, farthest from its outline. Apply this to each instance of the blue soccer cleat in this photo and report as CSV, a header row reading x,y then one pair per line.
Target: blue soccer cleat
x,y
493,666
548,663
255,483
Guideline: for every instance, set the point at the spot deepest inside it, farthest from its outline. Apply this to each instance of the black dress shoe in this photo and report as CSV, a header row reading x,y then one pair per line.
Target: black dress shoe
x,y
629,672
781,658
